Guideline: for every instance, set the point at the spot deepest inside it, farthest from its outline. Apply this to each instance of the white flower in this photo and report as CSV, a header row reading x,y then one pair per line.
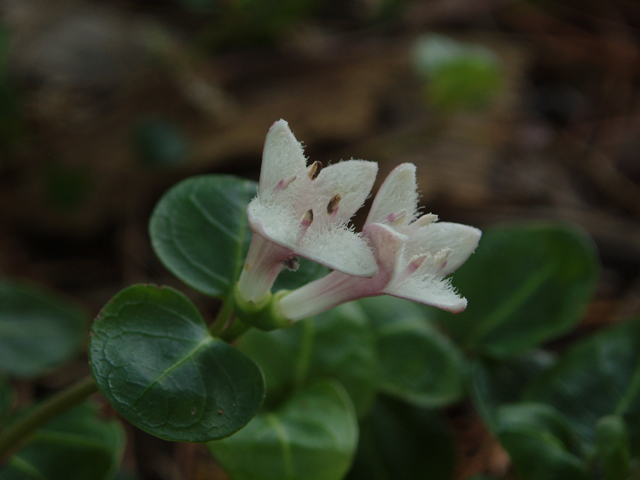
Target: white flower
x,y
414,255
302,210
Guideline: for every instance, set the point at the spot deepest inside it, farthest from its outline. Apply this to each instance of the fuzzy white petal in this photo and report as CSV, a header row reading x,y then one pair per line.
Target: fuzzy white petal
x,y
397,193
430,290
460,239
352,180
282,156
339,249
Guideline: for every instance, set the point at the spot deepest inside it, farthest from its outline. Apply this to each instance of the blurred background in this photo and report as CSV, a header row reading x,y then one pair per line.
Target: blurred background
x,y
512,110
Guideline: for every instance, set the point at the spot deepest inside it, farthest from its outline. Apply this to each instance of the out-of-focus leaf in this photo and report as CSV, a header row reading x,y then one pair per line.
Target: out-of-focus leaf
x,y
155,361
338,344
540,442
494,383
74,446
417,363
38,330
598,376
612,442
457,75
313,436
526,285
402,442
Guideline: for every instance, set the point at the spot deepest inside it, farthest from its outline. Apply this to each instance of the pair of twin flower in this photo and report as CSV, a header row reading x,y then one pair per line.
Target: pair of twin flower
x,y
303,211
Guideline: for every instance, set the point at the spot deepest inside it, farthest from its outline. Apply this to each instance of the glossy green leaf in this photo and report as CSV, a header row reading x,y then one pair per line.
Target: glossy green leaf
x,y
540,442
338,343
598,376
76,445
38,330
417,363
612,442
525,286
494,383
199,230
313,436
402,442
155,361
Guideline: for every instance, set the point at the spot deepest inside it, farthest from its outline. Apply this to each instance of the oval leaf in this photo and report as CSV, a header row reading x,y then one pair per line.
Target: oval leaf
x,y
417,363
200,231
494,383
598,376
312,437
539,440
74,446
402,442
338,344
525,286
38,331
155,361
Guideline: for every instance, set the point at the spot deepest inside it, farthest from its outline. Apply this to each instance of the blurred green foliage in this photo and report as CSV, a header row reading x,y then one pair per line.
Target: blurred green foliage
x,y
457,75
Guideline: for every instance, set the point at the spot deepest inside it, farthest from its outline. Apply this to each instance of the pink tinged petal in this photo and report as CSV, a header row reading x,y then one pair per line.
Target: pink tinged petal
x,y
282,157
397,193
264,262
285,182
388,246
460,240
337,288
320,295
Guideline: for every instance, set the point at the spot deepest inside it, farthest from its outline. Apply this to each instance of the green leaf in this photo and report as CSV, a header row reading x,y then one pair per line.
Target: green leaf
x,y
306,273
596,377
199,230
155,361
612,441
312,437
525,286
74,446
38,330
494,383
540,442
402,442
417,363
338,344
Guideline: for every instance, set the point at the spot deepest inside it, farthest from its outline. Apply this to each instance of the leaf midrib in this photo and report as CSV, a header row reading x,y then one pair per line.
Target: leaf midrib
x,y
203,343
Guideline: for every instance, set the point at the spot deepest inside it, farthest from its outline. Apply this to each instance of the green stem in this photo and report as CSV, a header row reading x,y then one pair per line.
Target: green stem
x,y
14,434
235,331
222,318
